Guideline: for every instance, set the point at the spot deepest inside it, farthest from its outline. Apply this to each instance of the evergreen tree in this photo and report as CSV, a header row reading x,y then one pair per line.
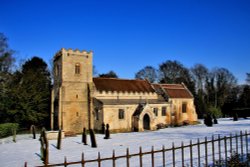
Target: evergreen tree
x,y
31,94
6,62
110,74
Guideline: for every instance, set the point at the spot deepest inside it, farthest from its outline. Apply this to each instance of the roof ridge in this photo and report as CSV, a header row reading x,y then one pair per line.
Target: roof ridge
x,y
123,79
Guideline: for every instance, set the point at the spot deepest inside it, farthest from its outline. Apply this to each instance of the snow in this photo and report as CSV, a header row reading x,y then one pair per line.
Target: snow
x,y
27,149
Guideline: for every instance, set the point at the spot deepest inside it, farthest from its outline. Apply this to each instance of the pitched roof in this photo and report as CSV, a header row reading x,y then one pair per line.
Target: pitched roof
x,y
122,85
175,90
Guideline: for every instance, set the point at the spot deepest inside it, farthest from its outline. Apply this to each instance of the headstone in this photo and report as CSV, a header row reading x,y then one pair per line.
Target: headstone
x,y
103,128
59,139
33,131
92,138
208,120
107,133
84,136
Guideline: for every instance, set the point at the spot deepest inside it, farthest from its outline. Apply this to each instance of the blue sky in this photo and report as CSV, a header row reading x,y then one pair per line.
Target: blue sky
x,y
127,35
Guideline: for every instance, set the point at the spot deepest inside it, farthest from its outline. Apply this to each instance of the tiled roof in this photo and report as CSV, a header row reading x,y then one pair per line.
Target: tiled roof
x,y
122,85
175,90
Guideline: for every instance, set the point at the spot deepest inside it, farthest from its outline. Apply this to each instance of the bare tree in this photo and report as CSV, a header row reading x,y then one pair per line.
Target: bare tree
x,y
175,72
248,78
218,86
147,72
200,73
6,58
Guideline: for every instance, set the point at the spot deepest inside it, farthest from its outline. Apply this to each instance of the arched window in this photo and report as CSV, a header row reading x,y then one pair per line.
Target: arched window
x,y
77,68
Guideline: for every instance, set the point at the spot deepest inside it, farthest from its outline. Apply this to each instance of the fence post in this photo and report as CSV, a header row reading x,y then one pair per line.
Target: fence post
x,y
213,156
225,144
241,143
173,150
191,154
99,159
83,162
219,145
113,158
231,144
246,143
140,155
206,155
163,155
65,161
152,156
182,153
236,136
199,152
127,157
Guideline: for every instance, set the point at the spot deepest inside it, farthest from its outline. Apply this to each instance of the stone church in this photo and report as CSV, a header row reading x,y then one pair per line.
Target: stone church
x,y
79,100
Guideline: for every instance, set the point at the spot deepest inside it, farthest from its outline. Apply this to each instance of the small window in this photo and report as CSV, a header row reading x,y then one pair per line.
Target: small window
x,y
57,70
77,68
184,107
77,114
121,114
164,111
156,111
96,114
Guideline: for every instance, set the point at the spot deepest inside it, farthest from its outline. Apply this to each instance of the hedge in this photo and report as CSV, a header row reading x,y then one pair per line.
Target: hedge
x,y
6,129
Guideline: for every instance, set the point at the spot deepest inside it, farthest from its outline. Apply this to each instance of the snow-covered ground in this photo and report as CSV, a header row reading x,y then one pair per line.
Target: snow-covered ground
x,y
27,149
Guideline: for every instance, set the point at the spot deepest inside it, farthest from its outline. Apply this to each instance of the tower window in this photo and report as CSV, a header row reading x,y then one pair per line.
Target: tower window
x,y
77,68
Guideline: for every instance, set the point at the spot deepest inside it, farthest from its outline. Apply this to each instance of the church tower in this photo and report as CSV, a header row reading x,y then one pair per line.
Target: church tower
x,y
71,94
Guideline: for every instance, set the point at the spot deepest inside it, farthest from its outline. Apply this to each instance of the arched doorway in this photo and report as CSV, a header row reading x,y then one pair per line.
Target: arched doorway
x,y
146,122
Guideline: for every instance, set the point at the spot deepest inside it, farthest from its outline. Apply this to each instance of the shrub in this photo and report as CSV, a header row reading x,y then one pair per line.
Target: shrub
x,y
215,112
161,126
186,122
195,122
208,120
6,129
